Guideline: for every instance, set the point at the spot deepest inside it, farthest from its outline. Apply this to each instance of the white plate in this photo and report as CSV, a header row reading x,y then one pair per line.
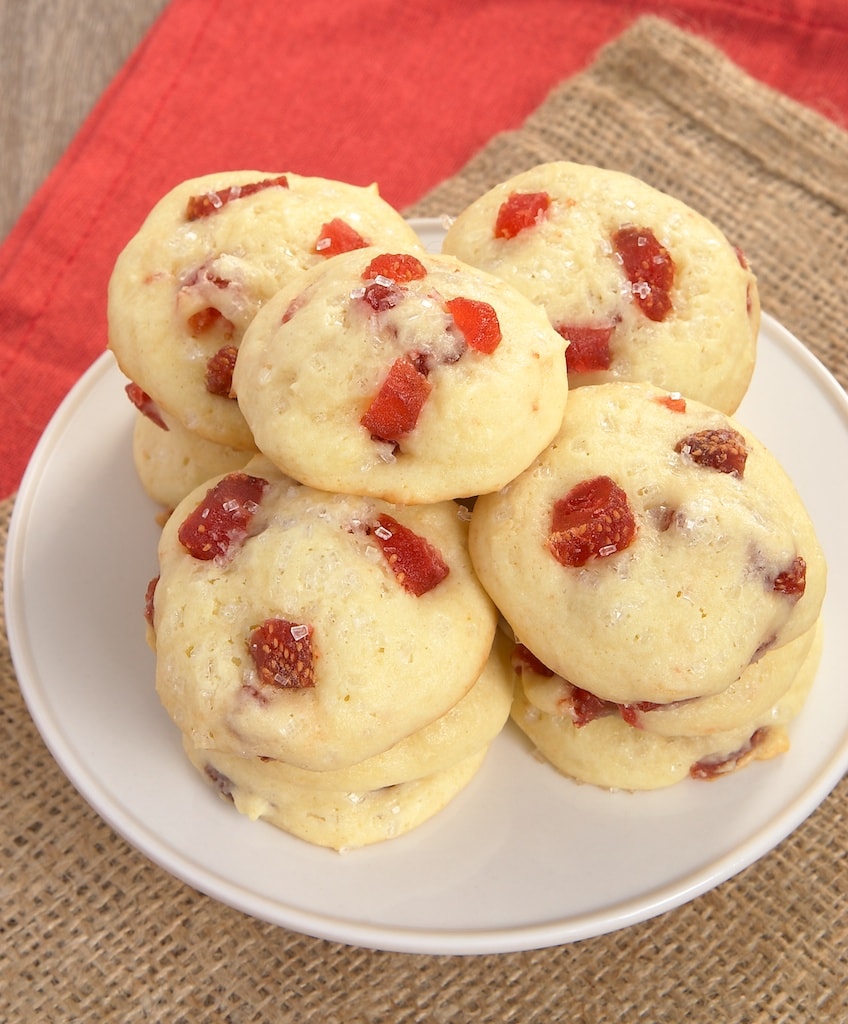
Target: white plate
x,y
522,858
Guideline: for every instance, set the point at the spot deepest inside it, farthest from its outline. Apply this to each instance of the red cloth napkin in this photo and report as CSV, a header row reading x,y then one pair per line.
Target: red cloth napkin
x,y
367,90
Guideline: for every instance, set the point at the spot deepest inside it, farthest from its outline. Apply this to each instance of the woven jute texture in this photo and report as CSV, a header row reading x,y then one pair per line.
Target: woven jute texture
x,y
92,931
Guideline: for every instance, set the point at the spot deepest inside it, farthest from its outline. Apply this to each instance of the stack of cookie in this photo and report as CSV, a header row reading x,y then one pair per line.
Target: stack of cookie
x,y
329,659
208,256
323,643
375,454
663,584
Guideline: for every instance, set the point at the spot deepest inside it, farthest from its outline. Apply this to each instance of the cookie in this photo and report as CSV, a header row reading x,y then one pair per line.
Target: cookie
x,y
467,728
759,688
206,258
653,551
407,377
610,753
171,461
313,628
643,286
340,820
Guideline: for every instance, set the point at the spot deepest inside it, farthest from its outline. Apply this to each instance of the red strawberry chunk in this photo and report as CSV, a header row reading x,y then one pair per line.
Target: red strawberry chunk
x,y
397,267
395,409
337,236
583,707
520,211
148,599
210,202
223,517
219,371
674,401
383,276
722,449
417,565
594,520
283,655
649,268
589,347
714,767
523,657
793,581
145,405
205,320
477,322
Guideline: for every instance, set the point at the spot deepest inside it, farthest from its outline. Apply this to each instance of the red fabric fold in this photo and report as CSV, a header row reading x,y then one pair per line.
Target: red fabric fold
x,y
361,91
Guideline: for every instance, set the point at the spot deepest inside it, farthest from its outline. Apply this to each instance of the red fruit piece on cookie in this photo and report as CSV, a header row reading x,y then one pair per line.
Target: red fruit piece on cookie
x,y
521,210
395,409
223,517
337,236
283,655
210,202
208,319
418,566
721,449
219,371
792,581
673,401
649,268
594,520
383,276
477,322
589,347
145,404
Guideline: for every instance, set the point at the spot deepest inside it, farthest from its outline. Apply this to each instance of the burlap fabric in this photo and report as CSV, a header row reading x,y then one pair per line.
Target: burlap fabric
x,y
91,931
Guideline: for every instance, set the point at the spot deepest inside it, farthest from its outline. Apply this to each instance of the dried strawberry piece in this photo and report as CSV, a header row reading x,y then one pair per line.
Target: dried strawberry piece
x,y
223,517
523,657
210,202
206,320
631,712
398,267
148,599
649,268
417,565
145,405
743,259
337,236
721,449
792,581
583,707
223,783
219,371
283,655
714,767
395,409
478,323
519,211
674,401
384,273
589,347
594,520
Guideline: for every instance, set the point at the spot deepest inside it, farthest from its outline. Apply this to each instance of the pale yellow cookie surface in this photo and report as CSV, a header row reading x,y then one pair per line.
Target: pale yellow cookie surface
x,y
319,359
705,581
566,260
469,726
185,287
363,662
170,463
759,688
608,752
340,820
